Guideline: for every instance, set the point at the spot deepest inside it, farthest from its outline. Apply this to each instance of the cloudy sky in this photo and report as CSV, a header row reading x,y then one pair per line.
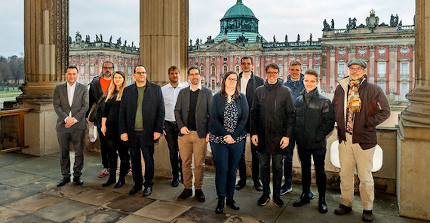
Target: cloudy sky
x,y
276,17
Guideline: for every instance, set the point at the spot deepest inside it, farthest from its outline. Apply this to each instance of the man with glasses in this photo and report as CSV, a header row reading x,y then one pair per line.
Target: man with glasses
x,y
272,119
248,83
98,87
192,119
359,107
141,118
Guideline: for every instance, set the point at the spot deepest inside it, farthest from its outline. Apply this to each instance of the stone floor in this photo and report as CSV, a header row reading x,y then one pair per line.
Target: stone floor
x,y
28,193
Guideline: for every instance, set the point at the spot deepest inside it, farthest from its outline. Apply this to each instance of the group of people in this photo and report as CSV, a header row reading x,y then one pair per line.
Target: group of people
x,y
277,115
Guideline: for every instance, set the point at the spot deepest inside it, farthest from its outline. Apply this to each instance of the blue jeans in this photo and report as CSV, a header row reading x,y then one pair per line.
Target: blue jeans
x,y
265,172
226,157
288,163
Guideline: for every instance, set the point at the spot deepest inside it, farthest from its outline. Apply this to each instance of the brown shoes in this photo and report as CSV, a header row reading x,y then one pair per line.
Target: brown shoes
x,y
185,194
200,196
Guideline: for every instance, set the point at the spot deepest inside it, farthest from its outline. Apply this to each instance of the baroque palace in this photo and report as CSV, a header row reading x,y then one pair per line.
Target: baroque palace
x,y
387,48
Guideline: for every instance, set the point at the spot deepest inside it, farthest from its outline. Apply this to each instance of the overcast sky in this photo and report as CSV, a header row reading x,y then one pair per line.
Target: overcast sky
x,y
276,17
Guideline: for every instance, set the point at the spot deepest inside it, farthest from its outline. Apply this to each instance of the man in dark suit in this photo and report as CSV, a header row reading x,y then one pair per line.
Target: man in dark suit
x,y
71,104
141,119
192,118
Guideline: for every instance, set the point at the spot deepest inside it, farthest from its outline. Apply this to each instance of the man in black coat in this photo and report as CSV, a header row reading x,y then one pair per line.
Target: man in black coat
x,y
248,82
314,121
272,119
141,119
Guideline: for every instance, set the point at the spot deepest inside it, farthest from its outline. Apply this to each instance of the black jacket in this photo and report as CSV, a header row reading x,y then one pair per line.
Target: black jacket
x,y
253,83
272,116
314,120
152,111
95,93
202,110
217,109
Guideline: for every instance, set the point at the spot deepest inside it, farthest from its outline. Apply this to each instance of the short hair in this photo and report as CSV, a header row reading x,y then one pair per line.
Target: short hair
x,y
224,79
72,67
113,65
272,65
192,68
295,63
246,57
172,68
134,71
312,72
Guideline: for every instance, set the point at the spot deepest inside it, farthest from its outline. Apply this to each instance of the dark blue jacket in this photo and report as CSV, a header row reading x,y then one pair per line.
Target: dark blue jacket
x,y
217,108
253,83
297,87
152,110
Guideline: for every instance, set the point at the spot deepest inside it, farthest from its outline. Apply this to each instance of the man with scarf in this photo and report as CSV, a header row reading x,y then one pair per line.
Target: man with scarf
x,y
359,107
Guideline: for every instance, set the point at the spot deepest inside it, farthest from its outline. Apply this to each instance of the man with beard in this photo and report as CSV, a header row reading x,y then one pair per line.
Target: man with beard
x,y
98,87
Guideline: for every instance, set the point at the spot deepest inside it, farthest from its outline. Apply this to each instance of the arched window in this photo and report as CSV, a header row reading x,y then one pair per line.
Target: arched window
x,y
225,68
202,71
237,69
213,71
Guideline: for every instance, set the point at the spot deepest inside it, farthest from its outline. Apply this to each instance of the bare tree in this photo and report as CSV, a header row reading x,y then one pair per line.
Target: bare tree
x,y
16,65
5,72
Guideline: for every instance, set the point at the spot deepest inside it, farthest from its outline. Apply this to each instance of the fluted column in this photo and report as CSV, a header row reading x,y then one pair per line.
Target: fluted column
x,y
163,37
46,48
413,139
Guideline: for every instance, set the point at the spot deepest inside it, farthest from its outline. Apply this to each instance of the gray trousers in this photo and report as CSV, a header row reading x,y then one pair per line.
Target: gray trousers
x,y
77,138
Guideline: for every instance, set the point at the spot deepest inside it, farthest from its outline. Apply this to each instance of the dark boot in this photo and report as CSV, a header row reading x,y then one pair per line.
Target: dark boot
x,y
322,206
110,181
303,199
232,204
220,206
120,183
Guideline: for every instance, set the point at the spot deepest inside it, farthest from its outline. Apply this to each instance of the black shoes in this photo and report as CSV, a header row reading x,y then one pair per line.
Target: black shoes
x,y
258,186
200,196
220,206
120,183
263,200
109,182
367,216
303,199
342,209
134,190
232,204
186,193
147,191
63,181
175,183
278,201
78,181
241,184
322,206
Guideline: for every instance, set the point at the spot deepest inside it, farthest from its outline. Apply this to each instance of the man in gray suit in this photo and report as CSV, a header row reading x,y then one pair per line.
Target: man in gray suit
x,y
192,118
71,105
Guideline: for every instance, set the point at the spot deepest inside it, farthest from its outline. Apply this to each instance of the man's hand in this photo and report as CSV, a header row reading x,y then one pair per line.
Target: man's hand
x,y
185,131
254,140
103,129
228,139
157,135
88,121
284,142
207,137
124,137
164,132
70,121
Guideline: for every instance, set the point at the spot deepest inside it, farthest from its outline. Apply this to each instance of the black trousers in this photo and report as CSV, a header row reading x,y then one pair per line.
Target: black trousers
x,y
103,148
255,164
137,148
319,161
171,136
116,146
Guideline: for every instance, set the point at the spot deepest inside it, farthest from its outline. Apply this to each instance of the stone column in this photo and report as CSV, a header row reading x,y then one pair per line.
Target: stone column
x,y
392,74
163,43
413,145
163,37
46,47
372,65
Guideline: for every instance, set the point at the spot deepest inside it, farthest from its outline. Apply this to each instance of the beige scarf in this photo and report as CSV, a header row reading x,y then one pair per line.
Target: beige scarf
x,y
354,102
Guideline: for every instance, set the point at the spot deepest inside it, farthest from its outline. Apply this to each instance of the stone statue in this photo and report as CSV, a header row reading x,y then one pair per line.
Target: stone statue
x,y
118,41
191,42
310,38
110,39
332,24
97,38
298,38
132,44
274,39
349,25
70,39
101,38
354,23
125,42
326,26
197,41
392,20
87,38
400,23
286,38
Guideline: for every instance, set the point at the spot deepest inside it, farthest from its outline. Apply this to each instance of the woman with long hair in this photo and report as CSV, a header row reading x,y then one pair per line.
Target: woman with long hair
x,y
228,116
110,129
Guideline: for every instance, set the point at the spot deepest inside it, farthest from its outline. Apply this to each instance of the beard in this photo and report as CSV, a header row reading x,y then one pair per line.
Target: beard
x,y
107,74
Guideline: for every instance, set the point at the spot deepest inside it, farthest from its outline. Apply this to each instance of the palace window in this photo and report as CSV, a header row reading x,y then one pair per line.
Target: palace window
x,y
382,70
404,69
404,89
341,70
225,69
213,71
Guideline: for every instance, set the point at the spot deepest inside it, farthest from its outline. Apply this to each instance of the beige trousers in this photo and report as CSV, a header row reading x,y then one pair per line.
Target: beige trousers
x,y
188,145
351,156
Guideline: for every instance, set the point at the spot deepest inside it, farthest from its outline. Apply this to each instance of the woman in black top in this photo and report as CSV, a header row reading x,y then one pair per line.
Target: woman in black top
x,y
111,131
228,116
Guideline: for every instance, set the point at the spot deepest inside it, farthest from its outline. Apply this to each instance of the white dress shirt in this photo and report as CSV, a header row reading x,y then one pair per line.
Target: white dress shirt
x,y
244,83
70,94
170,95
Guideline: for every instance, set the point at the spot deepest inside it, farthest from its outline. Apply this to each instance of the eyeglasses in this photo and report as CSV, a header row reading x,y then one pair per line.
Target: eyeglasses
x,y
140,73
107,68
356,69
193,75
232,79
272,73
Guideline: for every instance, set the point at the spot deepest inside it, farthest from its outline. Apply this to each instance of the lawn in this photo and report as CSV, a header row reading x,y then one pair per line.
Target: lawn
x,y
9,94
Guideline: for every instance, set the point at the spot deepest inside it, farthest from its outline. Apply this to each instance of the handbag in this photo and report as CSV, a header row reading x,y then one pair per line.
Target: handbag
x,y
92,115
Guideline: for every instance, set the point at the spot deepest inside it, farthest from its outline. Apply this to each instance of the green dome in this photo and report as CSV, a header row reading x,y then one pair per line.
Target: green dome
x,y
239,10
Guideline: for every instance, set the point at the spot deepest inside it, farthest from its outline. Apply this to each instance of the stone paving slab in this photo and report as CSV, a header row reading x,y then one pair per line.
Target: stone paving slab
x,y
98,216
63,211
162,210
136,218
11,194
41,166
29,219
8,214
95,196
196,214
11,158
34,203
22,179
129,203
